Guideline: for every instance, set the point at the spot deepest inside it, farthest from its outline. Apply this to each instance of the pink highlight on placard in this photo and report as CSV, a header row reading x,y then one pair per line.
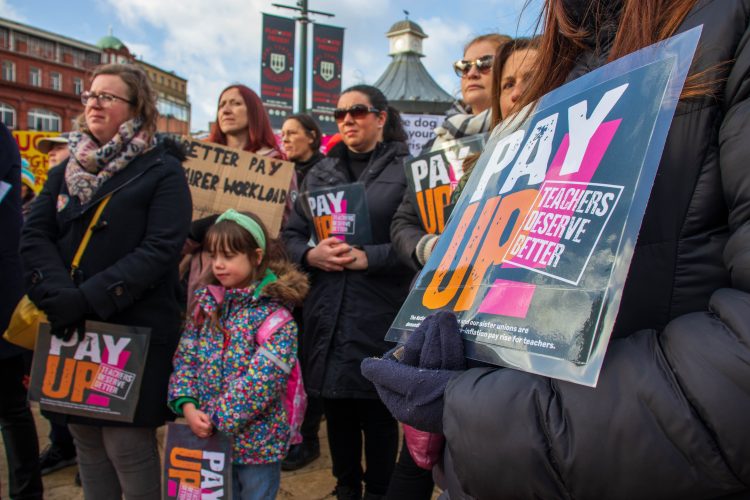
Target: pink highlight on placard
x,y
508,298
172,488
121,362
591,159
97,400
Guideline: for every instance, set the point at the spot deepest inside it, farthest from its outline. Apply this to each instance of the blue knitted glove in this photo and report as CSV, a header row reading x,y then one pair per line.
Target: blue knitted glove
x,y
413,387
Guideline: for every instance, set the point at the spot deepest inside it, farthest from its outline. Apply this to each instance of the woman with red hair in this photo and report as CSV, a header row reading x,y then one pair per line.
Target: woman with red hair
x,y
241,123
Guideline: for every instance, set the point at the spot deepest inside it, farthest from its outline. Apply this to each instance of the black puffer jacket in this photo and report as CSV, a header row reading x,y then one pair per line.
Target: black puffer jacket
x,y
347,314
129,267
669,417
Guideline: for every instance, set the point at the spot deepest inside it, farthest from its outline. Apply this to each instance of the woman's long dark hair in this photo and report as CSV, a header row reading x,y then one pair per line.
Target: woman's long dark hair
x,y
502,55
393,131
640,23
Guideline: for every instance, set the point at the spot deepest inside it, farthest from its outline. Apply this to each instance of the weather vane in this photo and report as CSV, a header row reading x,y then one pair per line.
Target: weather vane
x,y
406,12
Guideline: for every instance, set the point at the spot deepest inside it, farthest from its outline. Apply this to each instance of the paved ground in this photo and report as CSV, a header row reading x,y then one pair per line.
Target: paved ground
x,y
313,482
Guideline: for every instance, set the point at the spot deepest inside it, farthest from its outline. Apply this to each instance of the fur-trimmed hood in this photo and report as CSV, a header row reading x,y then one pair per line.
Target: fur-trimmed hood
x,y
291,285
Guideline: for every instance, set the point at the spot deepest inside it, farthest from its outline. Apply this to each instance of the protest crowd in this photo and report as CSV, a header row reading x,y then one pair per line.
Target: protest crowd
x,y
254,330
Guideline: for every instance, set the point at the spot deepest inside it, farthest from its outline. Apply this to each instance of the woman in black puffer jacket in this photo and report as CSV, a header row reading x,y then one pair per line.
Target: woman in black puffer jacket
x,y
668,418
355,292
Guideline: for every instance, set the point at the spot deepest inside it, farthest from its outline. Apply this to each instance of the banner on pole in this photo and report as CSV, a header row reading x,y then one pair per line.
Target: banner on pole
x,y
539,245
221,178
277,68
327,54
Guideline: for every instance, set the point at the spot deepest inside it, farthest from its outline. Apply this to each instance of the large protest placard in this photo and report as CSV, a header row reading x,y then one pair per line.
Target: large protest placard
x,y
38,162
538,248
196,468
221,178
433,176
98,377
339,211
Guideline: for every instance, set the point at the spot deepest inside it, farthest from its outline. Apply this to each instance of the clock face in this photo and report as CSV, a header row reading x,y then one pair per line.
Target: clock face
x,y
400,44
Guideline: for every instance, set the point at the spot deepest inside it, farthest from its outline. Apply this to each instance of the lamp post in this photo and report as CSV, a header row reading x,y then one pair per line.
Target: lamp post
x,y
304,21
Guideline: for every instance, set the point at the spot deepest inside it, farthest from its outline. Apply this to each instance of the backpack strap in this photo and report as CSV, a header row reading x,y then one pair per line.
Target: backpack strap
x,y
270,325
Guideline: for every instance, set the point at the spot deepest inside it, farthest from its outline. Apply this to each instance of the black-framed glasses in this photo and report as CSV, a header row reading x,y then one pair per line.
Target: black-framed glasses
x,y
483,64
104,99
357,111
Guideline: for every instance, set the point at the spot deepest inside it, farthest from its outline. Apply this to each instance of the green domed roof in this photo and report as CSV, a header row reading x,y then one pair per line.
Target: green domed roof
x,y
406,26
110,42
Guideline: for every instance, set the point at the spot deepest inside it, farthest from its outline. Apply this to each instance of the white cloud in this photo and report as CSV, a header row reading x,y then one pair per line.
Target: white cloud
x,y
10,12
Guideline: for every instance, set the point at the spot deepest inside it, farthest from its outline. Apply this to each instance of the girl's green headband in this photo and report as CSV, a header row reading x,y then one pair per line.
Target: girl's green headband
x,y
247,223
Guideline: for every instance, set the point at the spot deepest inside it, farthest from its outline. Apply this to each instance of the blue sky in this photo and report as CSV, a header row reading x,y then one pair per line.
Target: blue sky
x,y
216,42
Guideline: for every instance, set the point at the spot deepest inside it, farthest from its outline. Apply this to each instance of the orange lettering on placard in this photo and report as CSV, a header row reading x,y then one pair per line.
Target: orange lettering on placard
x,y
491,251
442,196
323,226
85,372
427,210
57,385
434,297
186,465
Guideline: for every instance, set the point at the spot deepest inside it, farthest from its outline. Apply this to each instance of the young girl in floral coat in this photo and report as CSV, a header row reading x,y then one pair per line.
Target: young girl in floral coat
x,y
222,378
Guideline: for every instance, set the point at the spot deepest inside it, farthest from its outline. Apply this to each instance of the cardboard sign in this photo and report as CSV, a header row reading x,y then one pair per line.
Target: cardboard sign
x,y
38,162
539,245
432,177
221,178
339,211
196,468
97,377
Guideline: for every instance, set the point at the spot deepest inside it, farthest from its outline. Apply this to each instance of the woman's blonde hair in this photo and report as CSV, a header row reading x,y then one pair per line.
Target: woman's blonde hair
x,y
140,94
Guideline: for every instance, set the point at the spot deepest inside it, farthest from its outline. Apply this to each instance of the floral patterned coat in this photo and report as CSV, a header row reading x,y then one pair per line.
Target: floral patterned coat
x,y
236,382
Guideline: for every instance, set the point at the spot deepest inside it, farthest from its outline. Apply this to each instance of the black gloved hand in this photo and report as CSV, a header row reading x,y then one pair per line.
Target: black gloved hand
x,y
413,388
65,307
65,333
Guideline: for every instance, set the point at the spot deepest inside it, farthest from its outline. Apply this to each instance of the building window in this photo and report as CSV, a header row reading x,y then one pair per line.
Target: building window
x,y
77,86
172,110
7,115
35,77
55,81
43,120
4,38
9,71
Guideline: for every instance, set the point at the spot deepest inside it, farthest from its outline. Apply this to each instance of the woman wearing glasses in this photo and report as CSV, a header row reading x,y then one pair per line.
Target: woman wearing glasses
x,y
128,272
356,291
471,115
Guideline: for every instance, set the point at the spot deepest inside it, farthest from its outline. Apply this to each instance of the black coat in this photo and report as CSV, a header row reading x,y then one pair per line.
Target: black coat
x,y
669,416
129,268
11,281
347,314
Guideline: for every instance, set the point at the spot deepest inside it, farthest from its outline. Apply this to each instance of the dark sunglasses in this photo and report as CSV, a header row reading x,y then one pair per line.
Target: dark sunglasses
x,y
483,64
357,111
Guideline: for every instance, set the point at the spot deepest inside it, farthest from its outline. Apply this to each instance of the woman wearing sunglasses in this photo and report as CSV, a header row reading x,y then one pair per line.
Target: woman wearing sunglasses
x,y
355,292
470,115
128,272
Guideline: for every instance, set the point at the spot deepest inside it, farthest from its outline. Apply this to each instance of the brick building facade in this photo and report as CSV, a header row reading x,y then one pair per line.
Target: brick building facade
x,y
42,75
